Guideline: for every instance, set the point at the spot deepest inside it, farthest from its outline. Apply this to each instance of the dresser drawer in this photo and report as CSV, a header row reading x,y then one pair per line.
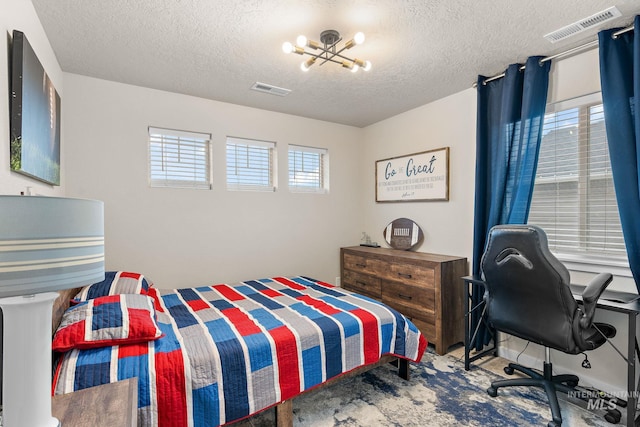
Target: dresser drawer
x,y
428,329
420,299
411,311
361,283
365,265
410,274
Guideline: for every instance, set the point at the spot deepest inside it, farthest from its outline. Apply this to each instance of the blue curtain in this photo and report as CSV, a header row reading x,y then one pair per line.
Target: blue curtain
x,y
509,130
620,81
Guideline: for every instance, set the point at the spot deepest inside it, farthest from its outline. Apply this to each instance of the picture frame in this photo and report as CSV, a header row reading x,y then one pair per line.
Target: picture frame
x,y
35,116
416,177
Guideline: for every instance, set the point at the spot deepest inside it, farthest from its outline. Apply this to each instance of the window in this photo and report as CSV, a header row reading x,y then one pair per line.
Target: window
x,y
308,169
573,199
250,165
179,159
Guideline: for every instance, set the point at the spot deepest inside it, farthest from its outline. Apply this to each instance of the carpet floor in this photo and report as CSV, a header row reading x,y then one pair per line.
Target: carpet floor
x,y
440,393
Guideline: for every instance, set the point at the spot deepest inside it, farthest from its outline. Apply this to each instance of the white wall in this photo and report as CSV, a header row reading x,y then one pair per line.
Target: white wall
x,y
182,238
20,15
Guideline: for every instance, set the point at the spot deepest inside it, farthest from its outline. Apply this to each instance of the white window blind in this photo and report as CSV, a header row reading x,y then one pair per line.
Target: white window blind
x,y
250,165
308,169
573,199
179,159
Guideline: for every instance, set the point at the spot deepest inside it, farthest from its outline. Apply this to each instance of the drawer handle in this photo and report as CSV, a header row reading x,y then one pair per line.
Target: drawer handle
x,y
361,283
361,265
404,275
407,297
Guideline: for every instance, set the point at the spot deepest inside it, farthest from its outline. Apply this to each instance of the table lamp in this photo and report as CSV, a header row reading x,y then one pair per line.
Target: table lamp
x,y
46,244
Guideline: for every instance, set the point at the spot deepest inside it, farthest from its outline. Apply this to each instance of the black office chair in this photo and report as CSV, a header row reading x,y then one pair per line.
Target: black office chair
x,y
528,295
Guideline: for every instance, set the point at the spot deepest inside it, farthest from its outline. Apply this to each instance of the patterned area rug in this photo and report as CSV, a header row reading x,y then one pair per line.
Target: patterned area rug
x,y
440,393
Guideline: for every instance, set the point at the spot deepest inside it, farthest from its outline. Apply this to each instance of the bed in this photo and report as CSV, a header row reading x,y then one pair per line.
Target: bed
x,y
212,355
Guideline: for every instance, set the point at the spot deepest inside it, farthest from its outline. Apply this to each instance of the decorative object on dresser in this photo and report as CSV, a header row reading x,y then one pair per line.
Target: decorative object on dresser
x,y
403,234
46,244
366,241
424,287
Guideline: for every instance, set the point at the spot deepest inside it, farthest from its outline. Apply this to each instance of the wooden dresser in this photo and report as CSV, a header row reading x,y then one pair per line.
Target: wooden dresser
x,y
426,288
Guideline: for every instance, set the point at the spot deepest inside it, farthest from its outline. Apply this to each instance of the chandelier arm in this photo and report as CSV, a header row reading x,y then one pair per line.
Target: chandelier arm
x,y
345,57
329,60
338,54
340,51
331,55
323,58
333,45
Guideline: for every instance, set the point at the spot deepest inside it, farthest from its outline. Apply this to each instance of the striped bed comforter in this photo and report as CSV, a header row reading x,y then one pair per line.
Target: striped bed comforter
x,y
229,351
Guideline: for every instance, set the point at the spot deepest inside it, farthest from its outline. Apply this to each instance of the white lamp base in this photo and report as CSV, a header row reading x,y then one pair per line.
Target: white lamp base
x,y
26,368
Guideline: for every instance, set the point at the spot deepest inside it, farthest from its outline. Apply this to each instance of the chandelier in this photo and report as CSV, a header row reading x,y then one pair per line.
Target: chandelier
x,y
328,51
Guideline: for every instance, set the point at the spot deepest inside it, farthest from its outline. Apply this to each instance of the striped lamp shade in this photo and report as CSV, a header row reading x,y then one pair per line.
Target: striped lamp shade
x,y
49,244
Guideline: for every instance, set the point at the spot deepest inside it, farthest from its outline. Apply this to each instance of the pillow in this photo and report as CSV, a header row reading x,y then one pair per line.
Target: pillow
x,y
106,321
115,282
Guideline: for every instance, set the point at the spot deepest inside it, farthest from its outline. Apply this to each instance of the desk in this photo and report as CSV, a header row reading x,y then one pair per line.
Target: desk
x,y
631,309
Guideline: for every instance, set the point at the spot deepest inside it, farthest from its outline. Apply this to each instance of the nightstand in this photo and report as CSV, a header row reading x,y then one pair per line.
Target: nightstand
x,y
114,404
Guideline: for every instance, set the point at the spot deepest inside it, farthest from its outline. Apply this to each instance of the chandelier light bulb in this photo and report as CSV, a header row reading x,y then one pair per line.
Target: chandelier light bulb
x,y
365,65
357,39
355,68
287,47
301,40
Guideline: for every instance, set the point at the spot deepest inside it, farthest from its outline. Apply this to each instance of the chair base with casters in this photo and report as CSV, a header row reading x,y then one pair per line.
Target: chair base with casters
x,y
551,384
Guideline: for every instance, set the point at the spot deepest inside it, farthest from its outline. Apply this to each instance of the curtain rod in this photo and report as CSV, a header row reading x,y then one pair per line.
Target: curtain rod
x,y
580,48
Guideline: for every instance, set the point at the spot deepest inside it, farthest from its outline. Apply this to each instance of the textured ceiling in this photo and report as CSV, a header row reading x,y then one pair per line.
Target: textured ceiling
x,y
421,50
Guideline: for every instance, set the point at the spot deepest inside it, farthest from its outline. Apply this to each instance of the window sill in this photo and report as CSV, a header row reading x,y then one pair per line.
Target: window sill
x,y
303,191
250,188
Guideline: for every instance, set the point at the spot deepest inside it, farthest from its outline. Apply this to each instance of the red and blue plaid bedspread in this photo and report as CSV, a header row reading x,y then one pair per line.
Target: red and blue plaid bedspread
x,y
229,351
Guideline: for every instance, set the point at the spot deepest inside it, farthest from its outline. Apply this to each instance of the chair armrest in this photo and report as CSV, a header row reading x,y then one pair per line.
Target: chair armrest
x,y
590,297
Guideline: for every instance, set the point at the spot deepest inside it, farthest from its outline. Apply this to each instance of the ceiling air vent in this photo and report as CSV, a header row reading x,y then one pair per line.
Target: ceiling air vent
x,y
273,90
583,24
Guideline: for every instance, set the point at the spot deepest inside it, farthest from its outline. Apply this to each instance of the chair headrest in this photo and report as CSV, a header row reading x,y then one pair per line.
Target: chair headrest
x,y
526,244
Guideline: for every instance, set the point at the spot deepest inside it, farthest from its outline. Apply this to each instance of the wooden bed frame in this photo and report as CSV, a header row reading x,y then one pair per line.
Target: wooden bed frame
x,y
283,410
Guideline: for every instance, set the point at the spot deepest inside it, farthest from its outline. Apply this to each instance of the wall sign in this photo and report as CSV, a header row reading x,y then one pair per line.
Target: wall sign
x,y
416,177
